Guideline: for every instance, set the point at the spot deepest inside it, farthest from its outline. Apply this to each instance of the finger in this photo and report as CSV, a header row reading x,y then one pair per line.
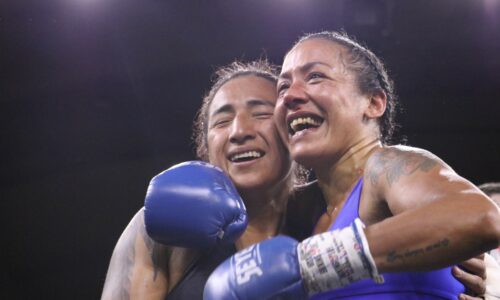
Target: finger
x,y
474,284
481,256
475,266
467,297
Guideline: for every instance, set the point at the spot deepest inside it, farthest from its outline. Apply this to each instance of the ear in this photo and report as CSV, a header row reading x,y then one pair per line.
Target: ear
x,y
376,106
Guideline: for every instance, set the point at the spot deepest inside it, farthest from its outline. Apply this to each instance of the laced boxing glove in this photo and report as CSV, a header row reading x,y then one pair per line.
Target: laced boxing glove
x,y
281,268
193,204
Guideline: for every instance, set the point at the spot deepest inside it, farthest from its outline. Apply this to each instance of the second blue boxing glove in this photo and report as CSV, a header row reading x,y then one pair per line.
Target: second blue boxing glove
x,y
267,270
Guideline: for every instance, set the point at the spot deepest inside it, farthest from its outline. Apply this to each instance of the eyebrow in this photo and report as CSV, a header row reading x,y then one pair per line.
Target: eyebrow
x,y
223,109
260,102
228,108
303,69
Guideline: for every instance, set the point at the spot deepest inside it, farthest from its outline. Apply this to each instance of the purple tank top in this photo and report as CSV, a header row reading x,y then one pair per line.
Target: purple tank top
x,y
438,284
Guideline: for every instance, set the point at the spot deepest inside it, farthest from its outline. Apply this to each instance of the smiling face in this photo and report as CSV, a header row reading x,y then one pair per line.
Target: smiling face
x,y
242,138
320,110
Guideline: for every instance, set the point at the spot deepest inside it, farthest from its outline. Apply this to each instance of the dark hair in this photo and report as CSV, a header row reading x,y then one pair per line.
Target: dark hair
x,y
490,188
370,72
261,68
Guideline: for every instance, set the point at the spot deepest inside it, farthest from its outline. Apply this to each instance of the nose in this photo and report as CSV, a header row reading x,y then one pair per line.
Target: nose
x,y
294,96
242,129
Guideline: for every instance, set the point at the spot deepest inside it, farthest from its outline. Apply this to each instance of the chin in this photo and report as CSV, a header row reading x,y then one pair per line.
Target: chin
x,y
309,158
306,157
244,183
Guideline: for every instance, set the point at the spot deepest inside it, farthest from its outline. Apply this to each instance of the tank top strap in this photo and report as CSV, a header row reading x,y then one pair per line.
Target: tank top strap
x,y
350,210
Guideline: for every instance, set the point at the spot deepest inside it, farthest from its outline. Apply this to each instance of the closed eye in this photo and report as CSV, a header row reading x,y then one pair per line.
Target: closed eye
x,y
221,123
315,75
263,115
282,87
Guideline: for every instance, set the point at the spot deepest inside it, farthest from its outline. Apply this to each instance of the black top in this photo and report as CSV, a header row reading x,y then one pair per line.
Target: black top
x,y
305,207
193,282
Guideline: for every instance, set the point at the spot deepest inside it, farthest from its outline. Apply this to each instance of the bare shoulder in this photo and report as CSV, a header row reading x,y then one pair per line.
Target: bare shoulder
x,y
390,164
153,252
126,245
406,178
161,266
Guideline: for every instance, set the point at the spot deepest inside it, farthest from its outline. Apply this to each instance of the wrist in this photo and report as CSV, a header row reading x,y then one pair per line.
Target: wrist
x,y
335,259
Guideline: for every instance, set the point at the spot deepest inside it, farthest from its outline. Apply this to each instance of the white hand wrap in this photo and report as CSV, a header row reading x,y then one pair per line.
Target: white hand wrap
x,y
335,259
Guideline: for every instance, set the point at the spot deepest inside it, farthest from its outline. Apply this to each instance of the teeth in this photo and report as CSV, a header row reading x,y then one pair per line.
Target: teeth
x,y
303,121
254,154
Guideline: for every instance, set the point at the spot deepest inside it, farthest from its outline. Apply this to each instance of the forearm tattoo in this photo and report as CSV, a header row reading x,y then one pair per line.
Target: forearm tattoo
x,y
394,163
395,256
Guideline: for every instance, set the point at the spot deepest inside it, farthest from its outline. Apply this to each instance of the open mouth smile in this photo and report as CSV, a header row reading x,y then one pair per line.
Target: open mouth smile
x,y
246,156
300,123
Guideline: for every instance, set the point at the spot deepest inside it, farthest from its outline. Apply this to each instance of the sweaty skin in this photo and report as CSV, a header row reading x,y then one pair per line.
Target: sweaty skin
x,y
143,269
404,185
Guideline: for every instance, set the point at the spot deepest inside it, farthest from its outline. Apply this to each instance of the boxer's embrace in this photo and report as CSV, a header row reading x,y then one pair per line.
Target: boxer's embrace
x,y
194,218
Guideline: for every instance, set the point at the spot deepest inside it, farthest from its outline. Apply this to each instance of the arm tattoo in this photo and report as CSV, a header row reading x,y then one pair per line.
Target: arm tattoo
x,y
118,279
394,163
395,256
154,250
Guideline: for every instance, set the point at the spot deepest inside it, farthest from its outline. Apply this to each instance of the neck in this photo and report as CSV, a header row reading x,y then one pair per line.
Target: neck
x,y
265,214
338,179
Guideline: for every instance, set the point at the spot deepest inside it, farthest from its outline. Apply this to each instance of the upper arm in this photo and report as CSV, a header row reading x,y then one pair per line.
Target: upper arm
x,y
446,216
408,178
138,267
438,218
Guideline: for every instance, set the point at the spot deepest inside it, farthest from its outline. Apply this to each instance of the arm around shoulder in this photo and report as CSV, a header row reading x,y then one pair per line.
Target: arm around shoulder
x,y
439,218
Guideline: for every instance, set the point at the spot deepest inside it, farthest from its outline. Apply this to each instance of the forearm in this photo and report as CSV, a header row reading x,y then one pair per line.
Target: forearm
x,y
439,234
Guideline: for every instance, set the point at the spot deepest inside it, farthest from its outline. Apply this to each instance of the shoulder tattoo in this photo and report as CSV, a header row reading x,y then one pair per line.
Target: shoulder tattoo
x,y
392,164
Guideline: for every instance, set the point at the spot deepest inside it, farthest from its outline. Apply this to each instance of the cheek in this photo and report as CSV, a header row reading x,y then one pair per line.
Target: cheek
x,y
279,120
214,148
281,147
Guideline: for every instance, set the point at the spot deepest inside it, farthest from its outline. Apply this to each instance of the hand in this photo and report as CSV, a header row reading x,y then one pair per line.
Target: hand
x,y
193,204
472,274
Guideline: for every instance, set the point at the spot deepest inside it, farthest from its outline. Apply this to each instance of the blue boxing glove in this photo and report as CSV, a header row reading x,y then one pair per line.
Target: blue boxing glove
x,y
193,204
266,270
281,268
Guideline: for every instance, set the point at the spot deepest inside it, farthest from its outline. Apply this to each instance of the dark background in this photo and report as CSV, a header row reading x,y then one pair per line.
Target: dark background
x,y
97,96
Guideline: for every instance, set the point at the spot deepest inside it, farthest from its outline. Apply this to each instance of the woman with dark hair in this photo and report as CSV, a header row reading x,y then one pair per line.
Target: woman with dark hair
x,y
235,131
335,112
